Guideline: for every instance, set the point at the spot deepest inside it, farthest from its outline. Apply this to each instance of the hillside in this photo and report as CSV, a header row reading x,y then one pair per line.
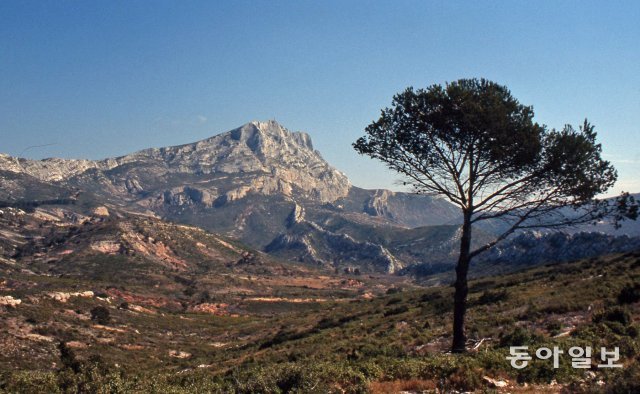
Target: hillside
x,y
319,333
243,184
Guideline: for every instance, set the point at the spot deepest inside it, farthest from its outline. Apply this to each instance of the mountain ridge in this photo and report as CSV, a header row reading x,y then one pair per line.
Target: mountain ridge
x,y
254,147
263,185
250,183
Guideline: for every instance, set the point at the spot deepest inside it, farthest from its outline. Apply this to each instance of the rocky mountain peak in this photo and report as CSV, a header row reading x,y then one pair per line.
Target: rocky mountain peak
x,y
277,131
265,157
282,162
260,136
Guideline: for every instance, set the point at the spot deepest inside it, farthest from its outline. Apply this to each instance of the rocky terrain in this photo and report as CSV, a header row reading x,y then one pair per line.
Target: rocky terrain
x,y
125,249
530,249
260,183
246,263
266,187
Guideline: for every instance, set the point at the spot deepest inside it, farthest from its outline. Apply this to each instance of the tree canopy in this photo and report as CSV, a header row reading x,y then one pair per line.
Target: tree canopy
x,y
473,143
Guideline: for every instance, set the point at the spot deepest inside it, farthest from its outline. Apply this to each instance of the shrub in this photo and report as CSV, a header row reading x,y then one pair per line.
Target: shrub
x,y
68,358
393,301
491,297
297,378
615,314
554,327
396,311
519,337
629,294
101,315
428,297
627,381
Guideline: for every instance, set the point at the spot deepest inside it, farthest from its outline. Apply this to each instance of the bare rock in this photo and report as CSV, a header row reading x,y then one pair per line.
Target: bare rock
x,y
495,383
9,301
179,354
101,211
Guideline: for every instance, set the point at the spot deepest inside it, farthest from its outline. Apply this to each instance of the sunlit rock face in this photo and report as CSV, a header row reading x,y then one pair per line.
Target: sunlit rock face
x,y
270,158
259,183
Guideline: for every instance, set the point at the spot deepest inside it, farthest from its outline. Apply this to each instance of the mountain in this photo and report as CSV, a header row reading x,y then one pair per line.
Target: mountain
x,y
529,249
533,248
142,271
263,158
266,187
260,183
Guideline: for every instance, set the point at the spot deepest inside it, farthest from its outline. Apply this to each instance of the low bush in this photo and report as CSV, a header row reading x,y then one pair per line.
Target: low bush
x,y
629,294
100,315
491,297
396,311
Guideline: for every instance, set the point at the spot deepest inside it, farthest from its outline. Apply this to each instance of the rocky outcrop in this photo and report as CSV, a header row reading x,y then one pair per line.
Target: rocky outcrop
x,y
107,247
299,244
532,248
271,158
50,170
133,186
179,354
100,212
188,195
296,216
64,296
378,204
9,301
219,309
313,244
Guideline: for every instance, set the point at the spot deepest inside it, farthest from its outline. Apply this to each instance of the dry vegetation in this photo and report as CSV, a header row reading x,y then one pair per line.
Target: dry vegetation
x,y
232,321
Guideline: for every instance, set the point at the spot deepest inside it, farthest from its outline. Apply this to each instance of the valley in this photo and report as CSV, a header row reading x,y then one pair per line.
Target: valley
x,y
246,263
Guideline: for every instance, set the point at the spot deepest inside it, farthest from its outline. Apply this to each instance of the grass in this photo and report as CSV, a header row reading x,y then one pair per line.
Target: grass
x,y
344,343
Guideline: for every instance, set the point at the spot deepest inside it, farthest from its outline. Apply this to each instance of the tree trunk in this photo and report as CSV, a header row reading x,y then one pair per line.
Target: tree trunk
x,y
460,297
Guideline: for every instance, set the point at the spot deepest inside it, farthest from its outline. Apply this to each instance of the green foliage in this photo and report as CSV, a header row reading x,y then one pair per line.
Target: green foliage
x,y
629,294
100,314
297,378
426,131
613,315
396,311
490,297
519,337
68,358
627,381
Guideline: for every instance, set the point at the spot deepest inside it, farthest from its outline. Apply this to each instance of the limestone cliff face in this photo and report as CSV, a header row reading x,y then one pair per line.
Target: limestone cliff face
x,y
378,203
48,169
270,158
259,183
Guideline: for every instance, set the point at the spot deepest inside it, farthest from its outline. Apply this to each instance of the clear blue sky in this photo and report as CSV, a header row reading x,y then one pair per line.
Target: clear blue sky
x,y
105,78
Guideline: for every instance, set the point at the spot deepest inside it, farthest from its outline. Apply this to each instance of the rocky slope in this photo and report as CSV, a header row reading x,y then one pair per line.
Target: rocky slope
x,y
263,185
530,249
123,249
279,161
533,248
245,183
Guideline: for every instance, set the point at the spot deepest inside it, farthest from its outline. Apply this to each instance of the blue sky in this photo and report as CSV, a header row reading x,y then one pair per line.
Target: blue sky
x,y
96,79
